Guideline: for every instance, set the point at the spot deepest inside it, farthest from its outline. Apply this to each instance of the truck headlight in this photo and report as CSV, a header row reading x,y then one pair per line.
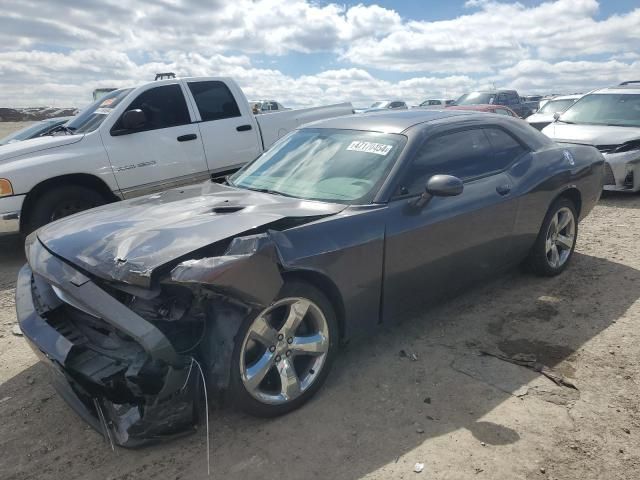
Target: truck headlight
x,y
5,187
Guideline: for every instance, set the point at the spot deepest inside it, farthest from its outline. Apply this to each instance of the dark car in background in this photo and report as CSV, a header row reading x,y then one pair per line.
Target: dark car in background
x,y
38,129
508,98
342,226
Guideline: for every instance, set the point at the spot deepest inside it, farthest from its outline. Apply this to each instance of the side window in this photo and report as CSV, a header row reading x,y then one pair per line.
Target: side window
x,y
163,107
214,100
501,111
464,154
435,102
501,99
513,98
505,149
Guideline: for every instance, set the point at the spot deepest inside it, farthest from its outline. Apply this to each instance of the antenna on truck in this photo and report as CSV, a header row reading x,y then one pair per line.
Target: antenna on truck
x,y
165,75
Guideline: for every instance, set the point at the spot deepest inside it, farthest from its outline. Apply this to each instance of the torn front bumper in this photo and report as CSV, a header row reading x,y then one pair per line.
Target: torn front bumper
x,y
622,171
115,369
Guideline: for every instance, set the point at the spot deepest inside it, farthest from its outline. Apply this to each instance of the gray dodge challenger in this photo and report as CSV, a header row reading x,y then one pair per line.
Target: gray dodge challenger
x,y
247,287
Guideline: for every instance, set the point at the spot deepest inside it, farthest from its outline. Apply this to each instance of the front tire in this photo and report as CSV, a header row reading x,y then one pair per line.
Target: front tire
x,y
556,240
283,355
61,202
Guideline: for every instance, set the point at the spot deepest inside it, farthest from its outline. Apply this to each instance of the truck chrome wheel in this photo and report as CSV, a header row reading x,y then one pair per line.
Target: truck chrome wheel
x,y
561,236
284,350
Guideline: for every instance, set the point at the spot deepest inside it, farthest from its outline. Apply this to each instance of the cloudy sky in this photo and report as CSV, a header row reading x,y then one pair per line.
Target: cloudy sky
x,y
55,52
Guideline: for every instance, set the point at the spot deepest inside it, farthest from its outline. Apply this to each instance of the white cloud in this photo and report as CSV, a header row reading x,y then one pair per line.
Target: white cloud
x,y
53,54
499,34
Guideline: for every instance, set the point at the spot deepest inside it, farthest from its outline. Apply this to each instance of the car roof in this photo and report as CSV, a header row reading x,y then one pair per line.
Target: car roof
x,y
387,121
631,88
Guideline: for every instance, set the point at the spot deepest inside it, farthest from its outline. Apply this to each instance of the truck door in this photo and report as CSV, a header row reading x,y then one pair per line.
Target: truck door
x,y
163,151
228,131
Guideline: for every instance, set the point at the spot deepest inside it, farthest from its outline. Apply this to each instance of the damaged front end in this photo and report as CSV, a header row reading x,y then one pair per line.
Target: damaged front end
x,y
123,356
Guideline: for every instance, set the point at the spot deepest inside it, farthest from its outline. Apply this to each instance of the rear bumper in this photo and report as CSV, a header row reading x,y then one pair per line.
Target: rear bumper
x,y
86,374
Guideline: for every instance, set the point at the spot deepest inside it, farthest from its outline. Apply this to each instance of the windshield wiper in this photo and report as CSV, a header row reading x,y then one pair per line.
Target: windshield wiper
x,y
266,190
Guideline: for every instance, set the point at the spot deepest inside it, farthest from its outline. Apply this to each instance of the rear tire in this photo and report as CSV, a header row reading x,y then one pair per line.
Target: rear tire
x,y
556,241
61,202
276,353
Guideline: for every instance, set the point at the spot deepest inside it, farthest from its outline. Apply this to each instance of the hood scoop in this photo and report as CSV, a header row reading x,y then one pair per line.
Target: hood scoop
x,y
221,209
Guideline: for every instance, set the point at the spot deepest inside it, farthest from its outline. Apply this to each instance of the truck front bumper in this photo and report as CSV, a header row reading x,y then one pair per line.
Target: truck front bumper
x,y
130,391
10,208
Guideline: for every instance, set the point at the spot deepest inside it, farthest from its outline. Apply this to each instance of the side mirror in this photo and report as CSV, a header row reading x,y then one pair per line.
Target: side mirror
x,y
556,116
444,186
133,119
440,186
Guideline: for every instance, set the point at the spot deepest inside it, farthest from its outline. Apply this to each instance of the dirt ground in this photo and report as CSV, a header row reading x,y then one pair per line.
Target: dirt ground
x,y
461,414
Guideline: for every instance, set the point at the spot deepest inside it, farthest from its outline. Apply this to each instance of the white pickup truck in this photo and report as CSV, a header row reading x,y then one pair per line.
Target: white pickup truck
x,y
139,140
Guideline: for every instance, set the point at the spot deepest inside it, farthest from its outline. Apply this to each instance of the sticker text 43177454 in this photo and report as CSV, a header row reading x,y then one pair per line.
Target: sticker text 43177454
x,y
370,147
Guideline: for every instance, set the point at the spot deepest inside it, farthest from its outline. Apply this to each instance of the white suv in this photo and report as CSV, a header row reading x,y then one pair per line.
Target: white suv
x,y
608,119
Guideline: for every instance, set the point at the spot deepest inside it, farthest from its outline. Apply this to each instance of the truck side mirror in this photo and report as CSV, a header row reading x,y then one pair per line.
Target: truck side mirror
x,y
556,116
133,119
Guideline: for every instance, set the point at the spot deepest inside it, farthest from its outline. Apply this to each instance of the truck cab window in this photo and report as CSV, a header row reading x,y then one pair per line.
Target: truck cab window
x,y
163,107
214,100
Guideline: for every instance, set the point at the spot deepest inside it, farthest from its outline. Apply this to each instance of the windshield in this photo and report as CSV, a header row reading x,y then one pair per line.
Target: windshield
x,y
476,98
554,106
29,132
342,166
379,105
605,109
92,116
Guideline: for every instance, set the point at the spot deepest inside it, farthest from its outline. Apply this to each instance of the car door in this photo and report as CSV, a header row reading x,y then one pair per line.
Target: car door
x,y
229,138
165,151
452,241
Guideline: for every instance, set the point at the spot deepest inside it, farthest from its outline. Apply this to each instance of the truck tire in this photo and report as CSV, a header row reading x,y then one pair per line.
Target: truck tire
x,y
60,202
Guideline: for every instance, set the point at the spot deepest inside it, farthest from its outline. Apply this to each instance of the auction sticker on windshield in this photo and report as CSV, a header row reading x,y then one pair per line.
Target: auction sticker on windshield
x,y
370,147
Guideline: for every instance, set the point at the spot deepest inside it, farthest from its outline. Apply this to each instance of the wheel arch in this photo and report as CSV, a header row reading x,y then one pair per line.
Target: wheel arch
x,y
79,179
326,286
573,194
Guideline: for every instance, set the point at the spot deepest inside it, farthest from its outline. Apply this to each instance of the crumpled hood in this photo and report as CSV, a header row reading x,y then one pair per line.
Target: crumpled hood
x,y
127,241
591,134
27,147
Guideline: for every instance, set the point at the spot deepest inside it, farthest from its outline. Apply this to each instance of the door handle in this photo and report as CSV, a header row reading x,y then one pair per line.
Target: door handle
x,y
187,137
503,189
243,128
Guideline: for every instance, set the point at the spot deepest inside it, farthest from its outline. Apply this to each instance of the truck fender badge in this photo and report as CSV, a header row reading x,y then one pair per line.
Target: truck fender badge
x,y
130,167
569,157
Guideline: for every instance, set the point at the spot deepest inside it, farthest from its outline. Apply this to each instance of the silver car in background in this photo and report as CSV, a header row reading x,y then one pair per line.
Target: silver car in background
x,y
435,103
35,130
609,119
382,105
545,115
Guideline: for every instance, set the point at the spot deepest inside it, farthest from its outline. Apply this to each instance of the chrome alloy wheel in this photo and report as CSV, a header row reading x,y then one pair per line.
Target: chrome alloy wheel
x,y
561,237
284,350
